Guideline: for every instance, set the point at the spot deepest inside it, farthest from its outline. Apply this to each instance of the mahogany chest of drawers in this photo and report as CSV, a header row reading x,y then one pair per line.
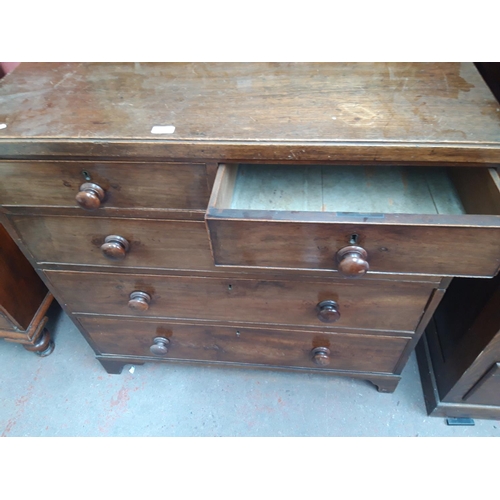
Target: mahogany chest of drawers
x,y
300,216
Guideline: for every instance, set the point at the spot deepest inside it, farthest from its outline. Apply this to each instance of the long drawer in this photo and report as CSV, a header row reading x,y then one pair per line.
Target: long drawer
x,y
167,340
370,305
355,219
137,243
124,185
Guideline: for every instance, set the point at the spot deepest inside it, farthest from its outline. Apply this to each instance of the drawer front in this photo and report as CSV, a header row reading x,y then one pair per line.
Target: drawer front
x,y
328,351
178,186
430,250
144,243
368,305
293,219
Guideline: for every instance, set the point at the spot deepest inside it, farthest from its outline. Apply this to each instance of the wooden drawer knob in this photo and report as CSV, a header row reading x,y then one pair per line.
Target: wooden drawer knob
x,y
352,261
160,346
90,196
139,301
115,247
321,356
328,311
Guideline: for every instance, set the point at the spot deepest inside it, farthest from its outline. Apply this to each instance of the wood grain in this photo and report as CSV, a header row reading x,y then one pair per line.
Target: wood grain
x,y
365,305
145,185
365,189
378,111
152,243
297,237
21,289
392,248
368,353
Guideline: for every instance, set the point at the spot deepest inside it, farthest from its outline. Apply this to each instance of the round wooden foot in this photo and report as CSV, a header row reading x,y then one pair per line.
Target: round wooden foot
x,y
43,346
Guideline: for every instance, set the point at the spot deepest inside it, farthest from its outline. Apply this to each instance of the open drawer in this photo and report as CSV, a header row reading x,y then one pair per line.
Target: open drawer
x,y
353,219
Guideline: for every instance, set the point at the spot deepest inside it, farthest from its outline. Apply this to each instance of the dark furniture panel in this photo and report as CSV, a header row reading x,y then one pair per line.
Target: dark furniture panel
x,y
460,351
24,299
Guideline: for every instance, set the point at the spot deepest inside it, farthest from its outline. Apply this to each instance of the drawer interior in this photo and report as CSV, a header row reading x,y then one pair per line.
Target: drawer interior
x,y
360,189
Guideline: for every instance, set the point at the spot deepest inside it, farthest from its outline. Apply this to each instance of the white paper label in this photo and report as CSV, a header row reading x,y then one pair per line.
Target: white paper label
x,y
163,129
3,125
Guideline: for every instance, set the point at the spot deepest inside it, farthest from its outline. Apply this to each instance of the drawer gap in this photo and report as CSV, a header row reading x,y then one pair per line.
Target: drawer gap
x,y
361,189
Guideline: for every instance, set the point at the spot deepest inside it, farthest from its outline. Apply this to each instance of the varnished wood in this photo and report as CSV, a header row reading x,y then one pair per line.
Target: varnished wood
x,y
370,305
196,235
90,196
354,352
21,290
442,251
454,245
460,351
152,244
437,408
387,111
352,261
328,311
146,185
487,389
385,385
418,115
43,345
115,247
386,381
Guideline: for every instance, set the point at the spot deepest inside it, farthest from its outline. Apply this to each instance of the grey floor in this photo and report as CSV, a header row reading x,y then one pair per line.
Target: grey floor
x,y
69,394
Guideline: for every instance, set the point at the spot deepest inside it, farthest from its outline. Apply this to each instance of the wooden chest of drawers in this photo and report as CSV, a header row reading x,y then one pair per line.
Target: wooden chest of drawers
x,y
299,216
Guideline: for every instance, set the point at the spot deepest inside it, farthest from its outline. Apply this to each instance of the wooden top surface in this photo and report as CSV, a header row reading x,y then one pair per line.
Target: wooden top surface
x,y
440,111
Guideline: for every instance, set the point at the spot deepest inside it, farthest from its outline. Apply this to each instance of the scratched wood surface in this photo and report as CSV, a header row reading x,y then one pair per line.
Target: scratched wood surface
x,y
353,351
377,306
218,110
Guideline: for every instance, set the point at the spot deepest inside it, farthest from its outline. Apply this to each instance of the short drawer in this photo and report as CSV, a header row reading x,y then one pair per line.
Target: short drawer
x,y
371,305
117,242
165,340
123,185
406,220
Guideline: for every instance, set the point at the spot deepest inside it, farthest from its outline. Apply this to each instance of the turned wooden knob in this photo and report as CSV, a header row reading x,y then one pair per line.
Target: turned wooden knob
x,y
328,311
352,261
139,301
115,247
90,196
160,346
321,356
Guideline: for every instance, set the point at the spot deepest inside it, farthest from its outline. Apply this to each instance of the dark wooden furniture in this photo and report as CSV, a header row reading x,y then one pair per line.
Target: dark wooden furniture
x,y
459,355
218,213
24,300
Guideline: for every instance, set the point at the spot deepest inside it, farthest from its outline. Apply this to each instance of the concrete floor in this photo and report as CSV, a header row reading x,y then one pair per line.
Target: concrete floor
x,y
69,394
